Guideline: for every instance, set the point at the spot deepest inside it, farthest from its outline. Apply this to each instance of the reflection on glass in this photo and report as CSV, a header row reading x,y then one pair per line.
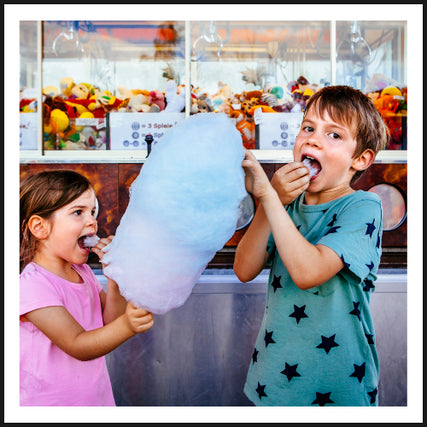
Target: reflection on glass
x,y
28,85
94,68
394,206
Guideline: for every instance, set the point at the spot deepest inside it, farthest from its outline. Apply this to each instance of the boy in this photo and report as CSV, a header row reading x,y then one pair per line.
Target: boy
x,y
316,344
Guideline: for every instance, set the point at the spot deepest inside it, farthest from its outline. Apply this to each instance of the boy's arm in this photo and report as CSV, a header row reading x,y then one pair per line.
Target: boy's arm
x,y
308,265
251,253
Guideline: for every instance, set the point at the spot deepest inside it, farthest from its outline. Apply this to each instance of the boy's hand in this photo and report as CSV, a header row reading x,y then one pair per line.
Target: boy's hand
x,y
290,181
139,319
256,181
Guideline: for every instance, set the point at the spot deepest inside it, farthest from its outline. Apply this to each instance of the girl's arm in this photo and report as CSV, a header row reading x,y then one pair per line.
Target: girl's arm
x,y
308,265
64,331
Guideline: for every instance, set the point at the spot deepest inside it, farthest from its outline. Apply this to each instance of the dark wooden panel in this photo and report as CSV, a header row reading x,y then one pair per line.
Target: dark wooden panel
x,y
103,177
112,182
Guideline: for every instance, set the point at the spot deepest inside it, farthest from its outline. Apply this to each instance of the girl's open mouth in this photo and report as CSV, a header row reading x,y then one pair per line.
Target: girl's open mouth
x,y
87,242
312,165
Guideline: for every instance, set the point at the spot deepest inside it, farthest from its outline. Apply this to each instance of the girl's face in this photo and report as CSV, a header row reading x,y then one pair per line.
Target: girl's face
x,y
68,227
330,148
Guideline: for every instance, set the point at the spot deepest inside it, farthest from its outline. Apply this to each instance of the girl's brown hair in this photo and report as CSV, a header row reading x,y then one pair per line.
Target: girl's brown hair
x,y
42,194
354,109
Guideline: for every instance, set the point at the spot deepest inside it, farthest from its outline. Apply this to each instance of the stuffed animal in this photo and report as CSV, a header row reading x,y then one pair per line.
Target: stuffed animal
x,y
157,98
174,97
66,85
50,91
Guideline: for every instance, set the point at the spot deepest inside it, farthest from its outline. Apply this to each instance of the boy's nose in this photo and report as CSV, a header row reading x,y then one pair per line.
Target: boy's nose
x,y
312,140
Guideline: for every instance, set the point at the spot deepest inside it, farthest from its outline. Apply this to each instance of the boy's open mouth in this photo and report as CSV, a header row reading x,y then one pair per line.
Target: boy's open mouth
x,y
313,166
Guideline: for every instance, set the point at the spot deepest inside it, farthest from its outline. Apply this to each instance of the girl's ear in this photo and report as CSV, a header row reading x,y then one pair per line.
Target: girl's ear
x,y
39,227
363,161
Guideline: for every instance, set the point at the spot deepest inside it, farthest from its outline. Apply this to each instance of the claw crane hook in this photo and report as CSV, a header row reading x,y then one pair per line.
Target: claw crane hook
x,y
210,37
357,49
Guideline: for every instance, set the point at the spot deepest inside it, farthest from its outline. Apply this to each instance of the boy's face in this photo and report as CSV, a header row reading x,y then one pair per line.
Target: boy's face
x,y
331,147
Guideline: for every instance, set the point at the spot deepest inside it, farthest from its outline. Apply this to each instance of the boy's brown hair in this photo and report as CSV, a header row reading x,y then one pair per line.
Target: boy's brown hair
x,y
42,194
355,110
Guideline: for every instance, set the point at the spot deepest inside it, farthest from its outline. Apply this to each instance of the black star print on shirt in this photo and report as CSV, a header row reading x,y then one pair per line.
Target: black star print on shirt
x,y
370,266
370,228
356,311
378,241
268,338
334,218
333,229
276,283
255,356
290,371
328,343
373,395
298,313
260,390
359,371
370,338
368,285
322,399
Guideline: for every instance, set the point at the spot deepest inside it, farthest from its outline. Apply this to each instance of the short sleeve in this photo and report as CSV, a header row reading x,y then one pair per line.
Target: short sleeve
x,y
355,234
37,292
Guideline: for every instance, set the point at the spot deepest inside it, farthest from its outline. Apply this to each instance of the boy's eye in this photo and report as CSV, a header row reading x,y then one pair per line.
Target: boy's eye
x,y
308,129
334,135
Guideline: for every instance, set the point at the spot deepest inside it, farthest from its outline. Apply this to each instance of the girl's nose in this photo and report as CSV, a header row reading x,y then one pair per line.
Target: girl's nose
x,y
92,221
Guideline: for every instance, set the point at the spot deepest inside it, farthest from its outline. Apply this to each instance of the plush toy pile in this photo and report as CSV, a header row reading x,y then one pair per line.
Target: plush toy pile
x,y
70,101
391,102
61,106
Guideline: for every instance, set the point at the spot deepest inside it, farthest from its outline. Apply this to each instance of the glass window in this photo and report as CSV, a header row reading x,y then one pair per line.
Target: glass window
x,y
93,70
97,78
28,81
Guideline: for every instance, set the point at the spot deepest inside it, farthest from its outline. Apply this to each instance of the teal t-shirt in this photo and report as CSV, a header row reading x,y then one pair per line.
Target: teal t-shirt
x,y
316,347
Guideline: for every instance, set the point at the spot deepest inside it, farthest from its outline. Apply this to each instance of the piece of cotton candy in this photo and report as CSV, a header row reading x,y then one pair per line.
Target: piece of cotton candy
x,y
183,208
312,168
90,241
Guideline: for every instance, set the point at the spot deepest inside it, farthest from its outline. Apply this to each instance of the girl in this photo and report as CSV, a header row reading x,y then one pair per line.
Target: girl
x,y
67,322
316,344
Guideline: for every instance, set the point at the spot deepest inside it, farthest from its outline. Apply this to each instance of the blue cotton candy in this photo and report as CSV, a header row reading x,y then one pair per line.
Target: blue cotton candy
x,y
183,208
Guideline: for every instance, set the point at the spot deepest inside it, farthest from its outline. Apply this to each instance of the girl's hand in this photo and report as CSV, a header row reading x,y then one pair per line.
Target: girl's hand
x,y
290,181
256,181
98,248
139,319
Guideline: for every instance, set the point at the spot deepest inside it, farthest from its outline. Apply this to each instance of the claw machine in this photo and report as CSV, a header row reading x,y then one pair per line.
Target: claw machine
x,y
96,96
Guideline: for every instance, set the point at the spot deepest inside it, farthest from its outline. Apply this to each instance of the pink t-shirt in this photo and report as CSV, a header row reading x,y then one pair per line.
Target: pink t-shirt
x,y
49,376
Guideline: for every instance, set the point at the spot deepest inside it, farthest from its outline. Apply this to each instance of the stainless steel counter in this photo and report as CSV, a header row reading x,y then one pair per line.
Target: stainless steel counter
x,y
198,354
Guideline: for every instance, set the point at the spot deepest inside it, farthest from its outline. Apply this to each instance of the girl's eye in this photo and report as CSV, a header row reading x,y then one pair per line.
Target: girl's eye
x,y
78,212
93,212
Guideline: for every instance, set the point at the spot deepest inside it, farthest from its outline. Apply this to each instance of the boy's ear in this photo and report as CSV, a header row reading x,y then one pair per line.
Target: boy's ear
x,y
39,227
363,161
